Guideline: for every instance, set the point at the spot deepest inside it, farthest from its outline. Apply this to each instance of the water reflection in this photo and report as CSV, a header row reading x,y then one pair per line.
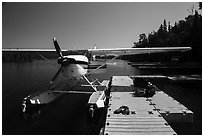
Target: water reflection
x,y
64,116
68,114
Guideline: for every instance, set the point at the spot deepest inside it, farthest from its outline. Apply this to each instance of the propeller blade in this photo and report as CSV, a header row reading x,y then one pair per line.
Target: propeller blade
x,y
57,47
55,76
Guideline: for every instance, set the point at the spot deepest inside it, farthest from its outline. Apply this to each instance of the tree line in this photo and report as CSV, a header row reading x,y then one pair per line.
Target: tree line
x,y
184,33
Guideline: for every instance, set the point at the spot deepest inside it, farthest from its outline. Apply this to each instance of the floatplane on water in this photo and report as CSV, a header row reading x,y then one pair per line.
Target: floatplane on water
x,y
72,75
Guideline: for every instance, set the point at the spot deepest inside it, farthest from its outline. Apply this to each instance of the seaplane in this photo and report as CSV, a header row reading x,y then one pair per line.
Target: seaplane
x,y
72,76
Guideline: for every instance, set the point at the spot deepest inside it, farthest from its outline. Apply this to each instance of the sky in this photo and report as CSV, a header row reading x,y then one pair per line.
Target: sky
x,y
83,25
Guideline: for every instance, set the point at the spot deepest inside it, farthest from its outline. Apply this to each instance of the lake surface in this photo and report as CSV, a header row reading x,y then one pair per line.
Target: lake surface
x,y
66,115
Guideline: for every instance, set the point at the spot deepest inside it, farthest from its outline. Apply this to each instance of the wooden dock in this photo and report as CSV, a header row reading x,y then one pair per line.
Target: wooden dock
x,y
141,120
146,115
170,109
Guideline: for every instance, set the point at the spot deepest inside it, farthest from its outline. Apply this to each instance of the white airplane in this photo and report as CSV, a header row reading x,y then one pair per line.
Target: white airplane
x,y
72,75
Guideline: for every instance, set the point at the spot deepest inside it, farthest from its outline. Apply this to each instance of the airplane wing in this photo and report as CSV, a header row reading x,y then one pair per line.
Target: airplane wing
x,y
114,51
30,50
132,51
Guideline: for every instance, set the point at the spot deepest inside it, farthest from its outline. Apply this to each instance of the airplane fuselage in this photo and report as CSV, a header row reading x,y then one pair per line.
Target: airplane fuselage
x,y
71,74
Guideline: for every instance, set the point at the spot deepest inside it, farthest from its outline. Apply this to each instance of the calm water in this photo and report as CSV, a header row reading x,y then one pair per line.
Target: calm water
x,y
66,115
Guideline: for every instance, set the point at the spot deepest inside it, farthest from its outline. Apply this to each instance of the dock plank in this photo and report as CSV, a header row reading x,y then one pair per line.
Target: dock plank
x,y
122,84
145,120
170,109
138,133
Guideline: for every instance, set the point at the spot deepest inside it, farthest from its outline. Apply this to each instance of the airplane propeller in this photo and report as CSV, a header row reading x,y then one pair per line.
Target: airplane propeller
x,y
57,47
63,60
55,76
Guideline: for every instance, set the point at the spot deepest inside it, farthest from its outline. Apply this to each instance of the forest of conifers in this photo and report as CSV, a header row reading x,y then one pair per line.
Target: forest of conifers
x,y
184,33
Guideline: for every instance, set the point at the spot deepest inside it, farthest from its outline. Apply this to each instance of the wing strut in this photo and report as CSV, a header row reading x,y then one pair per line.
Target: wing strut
x,y
89,83
46,59
102,65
